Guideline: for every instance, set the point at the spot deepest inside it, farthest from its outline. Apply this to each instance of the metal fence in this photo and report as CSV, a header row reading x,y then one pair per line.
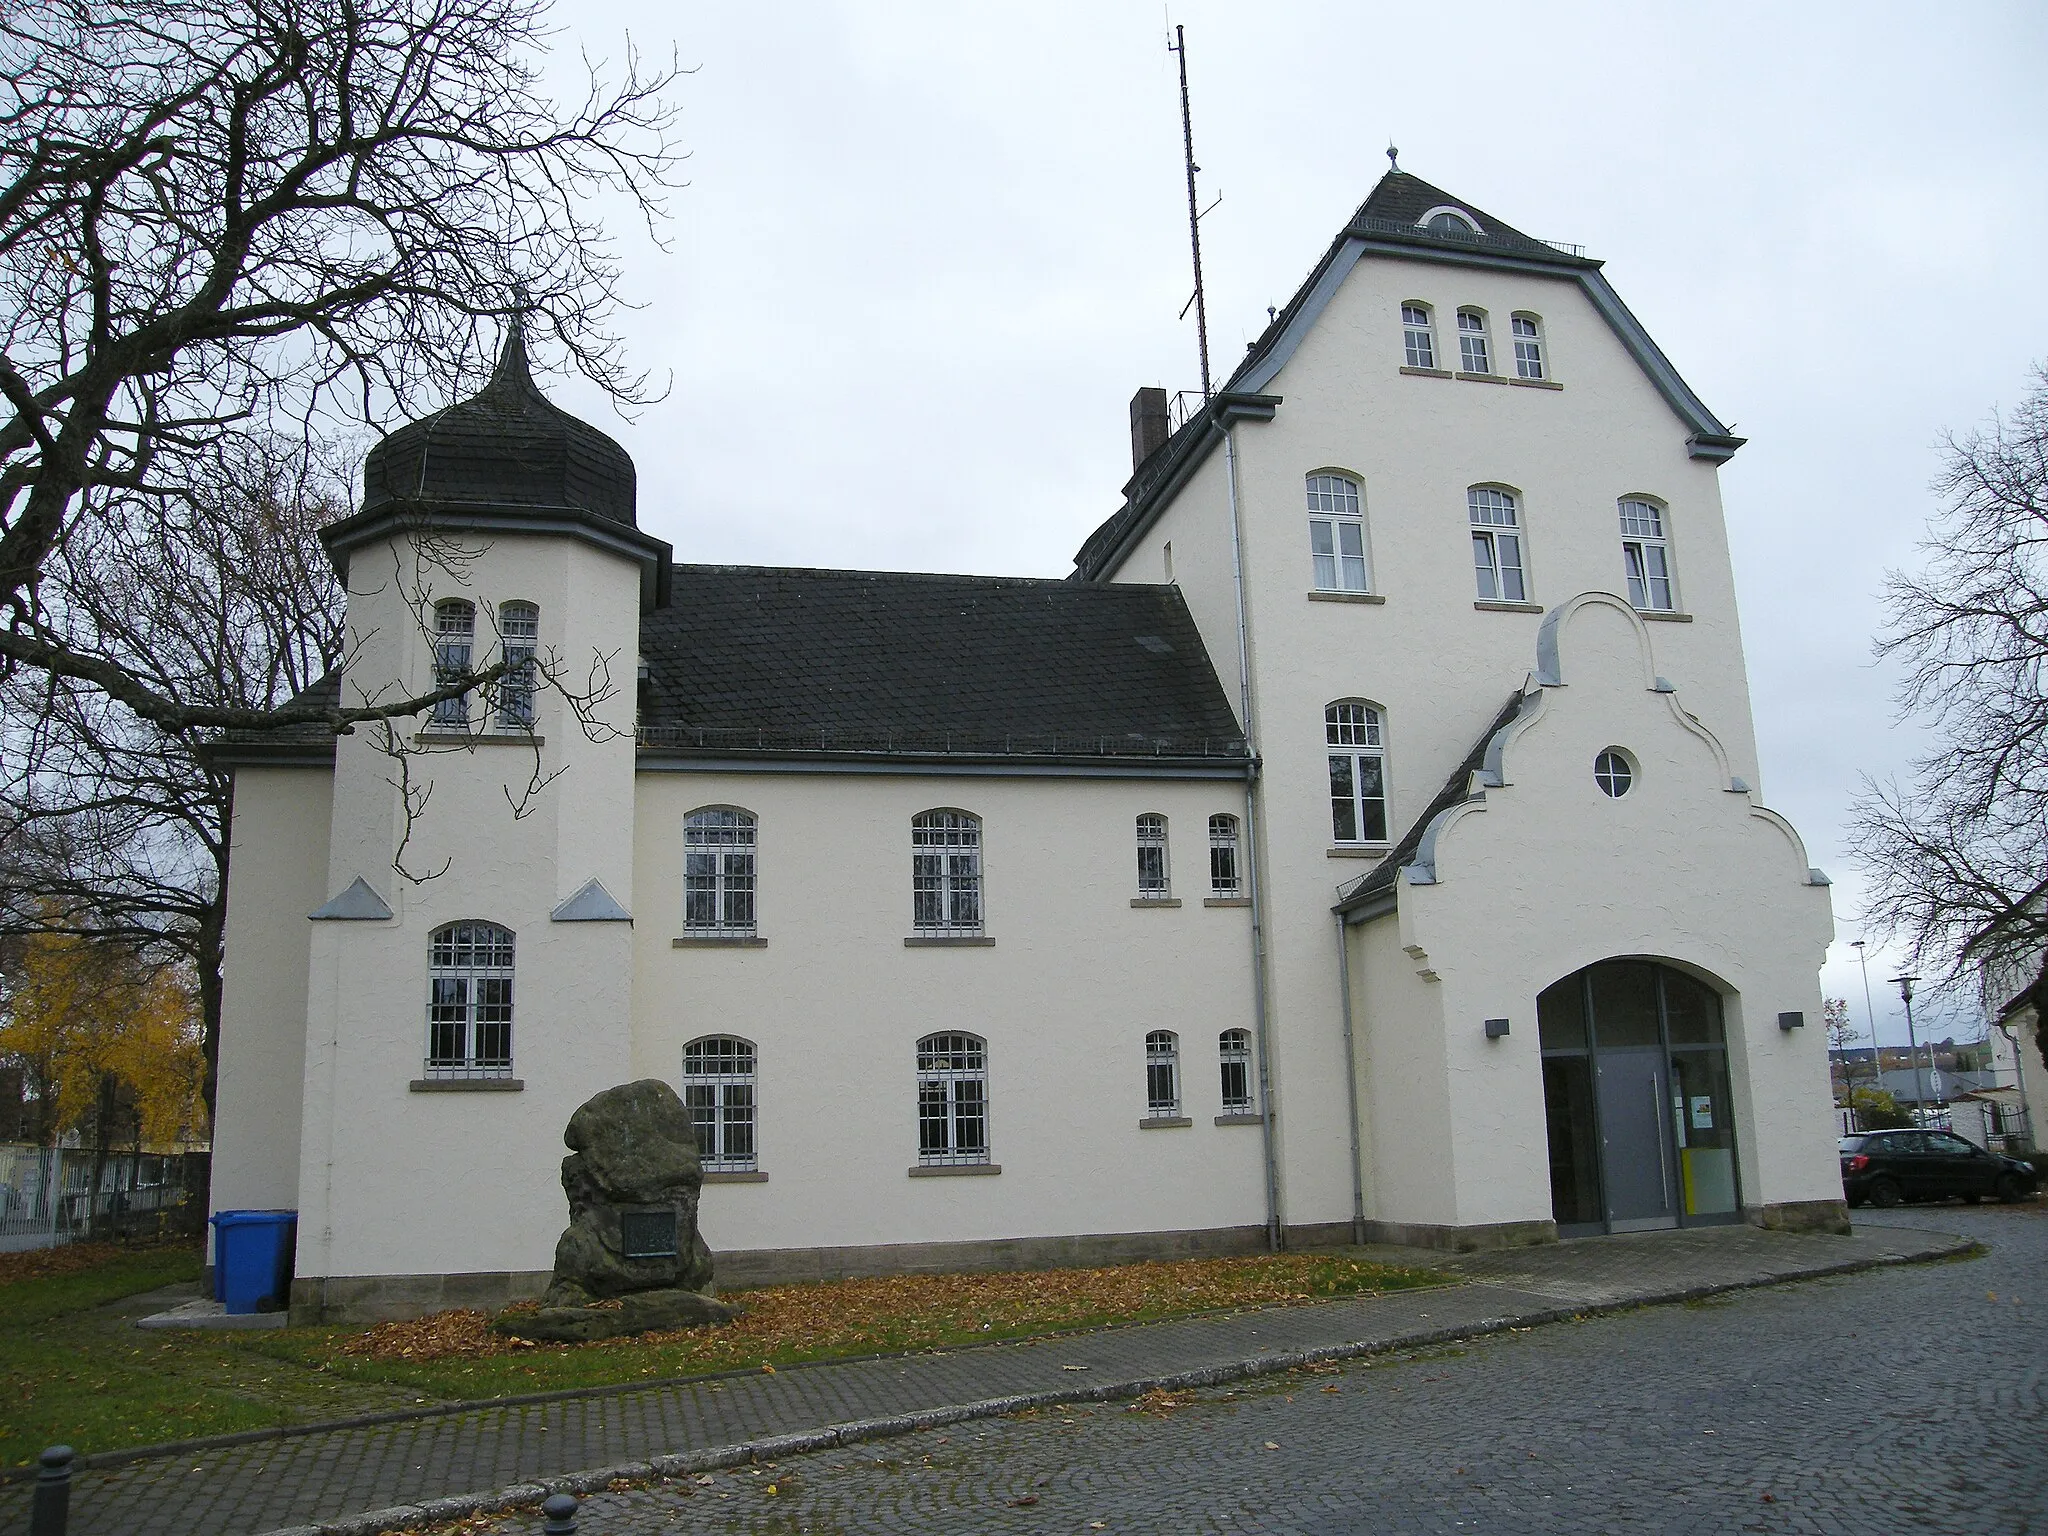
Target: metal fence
x,y
46,1196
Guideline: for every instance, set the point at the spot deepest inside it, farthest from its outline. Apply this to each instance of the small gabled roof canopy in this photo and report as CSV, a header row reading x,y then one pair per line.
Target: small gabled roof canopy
x,y
1392,221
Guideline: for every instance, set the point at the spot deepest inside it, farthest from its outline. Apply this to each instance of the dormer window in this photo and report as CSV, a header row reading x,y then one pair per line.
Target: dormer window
x,y
1448,221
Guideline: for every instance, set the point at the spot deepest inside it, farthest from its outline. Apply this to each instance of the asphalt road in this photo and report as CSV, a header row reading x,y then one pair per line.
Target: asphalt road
x,y
1907,1399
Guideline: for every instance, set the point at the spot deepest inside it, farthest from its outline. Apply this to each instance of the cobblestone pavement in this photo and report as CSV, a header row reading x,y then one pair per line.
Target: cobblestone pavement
x,y
306,1479
1903,1399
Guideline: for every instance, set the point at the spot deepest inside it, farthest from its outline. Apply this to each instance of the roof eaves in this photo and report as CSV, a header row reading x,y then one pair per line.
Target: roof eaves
x,y
654,556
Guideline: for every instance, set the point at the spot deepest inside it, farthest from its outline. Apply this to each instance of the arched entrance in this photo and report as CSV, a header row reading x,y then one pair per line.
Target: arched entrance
x,y
1635,1097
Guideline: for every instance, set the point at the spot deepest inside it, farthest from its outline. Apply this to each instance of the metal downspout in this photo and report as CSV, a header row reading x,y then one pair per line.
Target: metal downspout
x,y
1351,1084
1276,1232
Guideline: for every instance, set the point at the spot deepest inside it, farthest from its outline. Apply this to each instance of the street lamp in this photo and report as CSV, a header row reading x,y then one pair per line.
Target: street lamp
x,y
1905,986
1876,1050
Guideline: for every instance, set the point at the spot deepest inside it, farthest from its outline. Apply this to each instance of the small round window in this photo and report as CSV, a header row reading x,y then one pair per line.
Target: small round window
x,y
1611,771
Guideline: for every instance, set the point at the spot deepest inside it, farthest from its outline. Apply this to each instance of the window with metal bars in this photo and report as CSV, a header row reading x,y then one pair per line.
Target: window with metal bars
x,y
1418,336
518,635
1224,880
1336,534
945,872
952,1099
1646,555
1358,784
1497,544
718,1089
454,645
469,1006
718,871
1162,1074
1152,873
1234,1057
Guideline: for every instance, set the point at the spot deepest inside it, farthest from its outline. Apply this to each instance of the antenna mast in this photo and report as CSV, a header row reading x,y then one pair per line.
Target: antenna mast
x,y
1179,46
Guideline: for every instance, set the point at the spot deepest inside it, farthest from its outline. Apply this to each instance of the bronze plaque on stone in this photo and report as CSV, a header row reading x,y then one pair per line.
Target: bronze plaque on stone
x,y
648,1234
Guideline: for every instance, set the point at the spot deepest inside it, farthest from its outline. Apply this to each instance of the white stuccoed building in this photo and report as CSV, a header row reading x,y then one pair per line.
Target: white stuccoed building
x,y
1365,842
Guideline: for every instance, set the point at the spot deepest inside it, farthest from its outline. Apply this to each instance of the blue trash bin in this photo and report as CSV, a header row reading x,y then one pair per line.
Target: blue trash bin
x,y
252,1259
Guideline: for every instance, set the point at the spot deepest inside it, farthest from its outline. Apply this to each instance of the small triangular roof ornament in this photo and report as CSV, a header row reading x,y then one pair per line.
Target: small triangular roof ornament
x,y
357,904
592,904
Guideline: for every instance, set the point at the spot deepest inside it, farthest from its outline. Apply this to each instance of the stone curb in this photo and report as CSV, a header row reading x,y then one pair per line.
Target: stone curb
x,y
854,1431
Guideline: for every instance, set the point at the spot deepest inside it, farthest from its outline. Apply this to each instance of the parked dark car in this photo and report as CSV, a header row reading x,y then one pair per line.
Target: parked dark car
x,y
1887,1167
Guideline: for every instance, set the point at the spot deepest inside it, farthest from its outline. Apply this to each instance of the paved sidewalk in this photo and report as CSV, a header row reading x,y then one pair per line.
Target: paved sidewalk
x,y
353,1479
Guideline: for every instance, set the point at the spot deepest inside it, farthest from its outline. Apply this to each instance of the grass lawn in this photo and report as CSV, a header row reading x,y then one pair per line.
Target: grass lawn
x,y
84,1375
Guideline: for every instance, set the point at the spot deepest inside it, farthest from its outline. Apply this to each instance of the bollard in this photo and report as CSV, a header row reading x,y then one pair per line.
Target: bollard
x,y
52,1507
560,1510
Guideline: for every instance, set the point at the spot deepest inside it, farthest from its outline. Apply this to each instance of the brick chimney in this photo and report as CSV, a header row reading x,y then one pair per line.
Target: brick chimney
x,y
1149,425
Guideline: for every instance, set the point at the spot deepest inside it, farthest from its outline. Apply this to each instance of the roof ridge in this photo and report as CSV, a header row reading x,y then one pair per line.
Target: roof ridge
x,y
979,579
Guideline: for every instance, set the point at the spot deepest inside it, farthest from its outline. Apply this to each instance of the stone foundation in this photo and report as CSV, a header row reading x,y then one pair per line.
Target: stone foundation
x,y
1472,1239
1801,1216
360,1299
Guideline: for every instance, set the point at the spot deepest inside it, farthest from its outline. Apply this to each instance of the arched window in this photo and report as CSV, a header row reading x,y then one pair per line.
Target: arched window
x,y
945,872
1528,346
519,634
718,872
1234,1056
469,1003
952,1099
454,645
1497,544
718,1087
1162,1075
1418,335
1152,875
1446,220
1473,355
1646,555
1358,778
1224,879
1336,534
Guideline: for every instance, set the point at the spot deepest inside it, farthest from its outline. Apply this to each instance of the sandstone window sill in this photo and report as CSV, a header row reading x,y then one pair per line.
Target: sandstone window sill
x,y
949,941
1481,378
1427,373
1240,1119
1663,616
467,1085
1357,851
955,1170
478,739
1165,1123
1487,605
719,941
1155,901
1535,383
1226,901
734,1176
1346,597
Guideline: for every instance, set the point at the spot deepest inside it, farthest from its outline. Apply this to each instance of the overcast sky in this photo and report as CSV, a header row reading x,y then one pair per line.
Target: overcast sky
x,y
927,253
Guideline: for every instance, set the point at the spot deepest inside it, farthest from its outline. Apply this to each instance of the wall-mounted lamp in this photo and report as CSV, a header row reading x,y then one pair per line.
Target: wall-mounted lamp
x,y
1790,1021
1495,1028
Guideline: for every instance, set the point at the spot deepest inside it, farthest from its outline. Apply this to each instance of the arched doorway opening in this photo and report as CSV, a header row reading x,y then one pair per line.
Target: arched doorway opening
x,y
1636,1102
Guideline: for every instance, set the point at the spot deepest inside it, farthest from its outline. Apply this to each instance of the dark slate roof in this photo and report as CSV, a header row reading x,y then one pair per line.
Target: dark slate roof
x,y
303,743
751,658
508,447
1457,788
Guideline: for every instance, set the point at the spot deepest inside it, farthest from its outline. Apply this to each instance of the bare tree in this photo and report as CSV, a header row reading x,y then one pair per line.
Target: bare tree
x,y
304,216
1959,855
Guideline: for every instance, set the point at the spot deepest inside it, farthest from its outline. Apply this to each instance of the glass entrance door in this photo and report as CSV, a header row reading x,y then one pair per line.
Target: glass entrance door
x,y
1635,1083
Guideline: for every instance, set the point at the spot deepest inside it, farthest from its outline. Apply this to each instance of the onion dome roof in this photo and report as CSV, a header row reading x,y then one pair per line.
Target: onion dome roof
x,y
506,448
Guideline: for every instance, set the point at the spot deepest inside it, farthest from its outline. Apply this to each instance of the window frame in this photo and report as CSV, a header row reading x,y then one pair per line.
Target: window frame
x,y
1226,858
1342,508
477,974
1354,736
733,1102
1162,1075
1418,337
1234,1057
1615,771
1155,872
1528,345
734,892
952,839
949,1064
518,685
1492,540
1470,336
454,656
1642,551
